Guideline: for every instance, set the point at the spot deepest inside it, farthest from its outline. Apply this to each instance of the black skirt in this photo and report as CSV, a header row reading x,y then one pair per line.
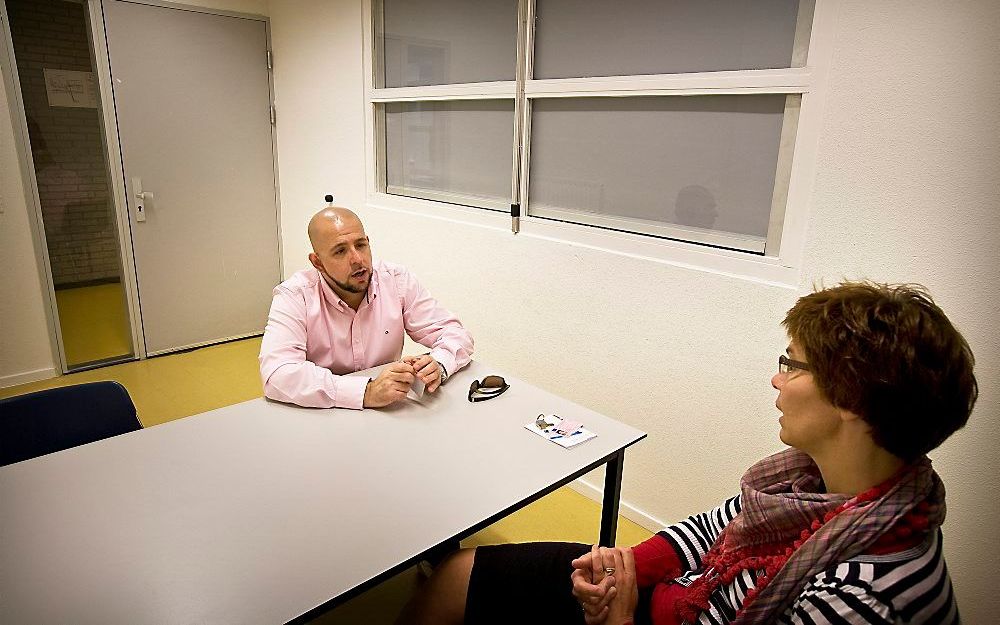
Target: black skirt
x,y
528,583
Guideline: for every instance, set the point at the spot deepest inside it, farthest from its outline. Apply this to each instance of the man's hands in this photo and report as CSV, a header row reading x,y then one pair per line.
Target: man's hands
x,y
606,598
396,379
427,369
390,386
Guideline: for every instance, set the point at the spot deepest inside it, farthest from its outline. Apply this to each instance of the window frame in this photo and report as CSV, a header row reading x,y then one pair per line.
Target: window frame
x,y
781,261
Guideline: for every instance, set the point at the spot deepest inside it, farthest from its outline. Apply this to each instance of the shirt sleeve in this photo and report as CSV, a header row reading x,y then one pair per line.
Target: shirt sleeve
x,y
694,536
433,326
284,370
662,601
655,560
834,601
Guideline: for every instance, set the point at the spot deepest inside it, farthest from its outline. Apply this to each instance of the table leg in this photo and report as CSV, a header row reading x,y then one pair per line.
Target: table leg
x,y
612,497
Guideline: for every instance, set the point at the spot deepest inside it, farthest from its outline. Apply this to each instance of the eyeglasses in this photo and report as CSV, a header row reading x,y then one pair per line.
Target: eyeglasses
x,y
491,386
787,365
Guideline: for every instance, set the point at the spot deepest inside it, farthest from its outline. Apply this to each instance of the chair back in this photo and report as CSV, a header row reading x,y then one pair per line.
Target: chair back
x,y
47,421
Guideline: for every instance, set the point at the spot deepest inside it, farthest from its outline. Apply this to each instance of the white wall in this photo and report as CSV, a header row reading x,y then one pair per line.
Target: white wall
x,y
25,352
319,111
906,190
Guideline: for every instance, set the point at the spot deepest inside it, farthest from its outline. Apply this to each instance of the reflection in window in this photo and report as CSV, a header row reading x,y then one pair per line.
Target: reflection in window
x,y
656,37
705,163
438,42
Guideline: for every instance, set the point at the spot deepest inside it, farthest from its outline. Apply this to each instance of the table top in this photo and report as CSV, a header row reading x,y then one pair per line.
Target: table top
x,y
261,511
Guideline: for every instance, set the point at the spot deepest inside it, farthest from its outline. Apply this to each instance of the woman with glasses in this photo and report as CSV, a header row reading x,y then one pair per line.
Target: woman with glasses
x,y
841,527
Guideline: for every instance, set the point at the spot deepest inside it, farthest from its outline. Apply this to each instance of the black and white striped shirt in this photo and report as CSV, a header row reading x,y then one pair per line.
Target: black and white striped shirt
x,y
911,587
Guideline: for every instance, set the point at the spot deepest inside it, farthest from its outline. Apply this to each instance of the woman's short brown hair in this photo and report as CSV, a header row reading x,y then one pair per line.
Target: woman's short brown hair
x,y
890,355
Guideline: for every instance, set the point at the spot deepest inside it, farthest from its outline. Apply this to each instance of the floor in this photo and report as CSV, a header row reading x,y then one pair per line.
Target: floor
x,y
94,323
179,385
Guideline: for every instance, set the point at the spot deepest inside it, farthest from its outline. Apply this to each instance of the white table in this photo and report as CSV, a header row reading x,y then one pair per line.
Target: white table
x,y
268,513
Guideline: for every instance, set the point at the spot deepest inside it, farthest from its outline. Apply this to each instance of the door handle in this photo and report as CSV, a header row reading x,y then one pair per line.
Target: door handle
x,y
142,199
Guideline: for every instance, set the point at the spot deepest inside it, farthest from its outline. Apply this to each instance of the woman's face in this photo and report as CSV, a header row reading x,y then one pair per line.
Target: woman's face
x,y
808,421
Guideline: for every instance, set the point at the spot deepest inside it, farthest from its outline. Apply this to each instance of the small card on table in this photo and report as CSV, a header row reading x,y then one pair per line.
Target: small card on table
x,y
563,432
416,391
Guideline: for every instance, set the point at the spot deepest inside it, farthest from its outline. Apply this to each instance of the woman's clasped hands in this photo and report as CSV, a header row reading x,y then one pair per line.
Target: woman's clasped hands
x,y
604,583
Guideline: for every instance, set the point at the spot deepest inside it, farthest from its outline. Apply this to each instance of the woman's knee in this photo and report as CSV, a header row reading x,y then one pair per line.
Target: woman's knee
x,y
442,598
453,574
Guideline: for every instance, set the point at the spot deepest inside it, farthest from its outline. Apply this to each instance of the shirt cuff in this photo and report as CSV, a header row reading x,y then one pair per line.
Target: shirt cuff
x,y
444,359
351,391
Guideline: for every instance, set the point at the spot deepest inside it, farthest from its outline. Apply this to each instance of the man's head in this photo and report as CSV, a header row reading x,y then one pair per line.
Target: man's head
x,y
888,354
341,251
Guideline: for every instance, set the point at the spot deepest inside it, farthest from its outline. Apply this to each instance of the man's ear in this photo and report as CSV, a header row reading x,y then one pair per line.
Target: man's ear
x,y
314,261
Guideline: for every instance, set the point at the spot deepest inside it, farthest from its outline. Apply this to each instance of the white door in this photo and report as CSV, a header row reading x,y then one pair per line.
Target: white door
x,y
192,100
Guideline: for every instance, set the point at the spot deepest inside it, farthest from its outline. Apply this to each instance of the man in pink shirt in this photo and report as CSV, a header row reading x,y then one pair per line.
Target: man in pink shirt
x,y
347,313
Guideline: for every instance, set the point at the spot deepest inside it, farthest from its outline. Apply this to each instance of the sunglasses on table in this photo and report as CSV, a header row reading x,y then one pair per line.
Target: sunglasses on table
x,y
491,386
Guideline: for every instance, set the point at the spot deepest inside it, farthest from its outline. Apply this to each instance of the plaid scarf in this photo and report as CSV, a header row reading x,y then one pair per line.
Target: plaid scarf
x,y
781,496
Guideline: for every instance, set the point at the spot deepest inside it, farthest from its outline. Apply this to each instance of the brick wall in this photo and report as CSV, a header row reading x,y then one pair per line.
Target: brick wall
x,y
66,143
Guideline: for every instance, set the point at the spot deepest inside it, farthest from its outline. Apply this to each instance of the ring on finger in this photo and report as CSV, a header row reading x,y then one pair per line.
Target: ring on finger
x,y
609,570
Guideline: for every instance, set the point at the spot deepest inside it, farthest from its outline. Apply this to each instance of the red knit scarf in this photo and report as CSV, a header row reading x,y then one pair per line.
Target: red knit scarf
x,y
792,531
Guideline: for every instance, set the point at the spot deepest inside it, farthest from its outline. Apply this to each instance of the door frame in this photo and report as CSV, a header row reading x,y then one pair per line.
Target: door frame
x,y
109,136
108,118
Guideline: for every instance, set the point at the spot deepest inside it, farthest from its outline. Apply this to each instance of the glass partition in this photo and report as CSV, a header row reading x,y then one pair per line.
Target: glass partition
x,y
61,102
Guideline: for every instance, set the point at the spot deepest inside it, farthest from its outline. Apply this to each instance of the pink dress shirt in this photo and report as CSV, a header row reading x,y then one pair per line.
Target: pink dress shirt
x,y
313,337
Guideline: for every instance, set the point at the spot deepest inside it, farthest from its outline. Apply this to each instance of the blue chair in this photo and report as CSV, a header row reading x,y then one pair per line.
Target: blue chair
x,y
47,421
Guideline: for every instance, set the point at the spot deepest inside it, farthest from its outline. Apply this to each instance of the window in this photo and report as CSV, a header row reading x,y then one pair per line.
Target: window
x,y
666,120
454,151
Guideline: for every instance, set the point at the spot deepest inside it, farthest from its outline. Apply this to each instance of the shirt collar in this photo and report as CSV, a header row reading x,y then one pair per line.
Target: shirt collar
x,y
373,284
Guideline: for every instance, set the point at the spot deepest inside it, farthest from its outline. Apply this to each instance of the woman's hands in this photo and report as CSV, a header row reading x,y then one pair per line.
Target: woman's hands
x,y
604,584
622,608
591,587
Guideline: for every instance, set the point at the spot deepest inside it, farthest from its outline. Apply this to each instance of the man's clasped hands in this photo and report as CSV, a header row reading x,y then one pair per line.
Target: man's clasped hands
x,y
396,378
605,585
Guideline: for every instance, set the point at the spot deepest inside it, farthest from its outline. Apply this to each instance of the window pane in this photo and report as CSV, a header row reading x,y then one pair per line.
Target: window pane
x,y
457,151
577,38
436,42
681,166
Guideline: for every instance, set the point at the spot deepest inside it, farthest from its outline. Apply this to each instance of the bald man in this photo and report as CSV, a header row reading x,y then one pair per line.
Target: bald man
x,y
346,314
